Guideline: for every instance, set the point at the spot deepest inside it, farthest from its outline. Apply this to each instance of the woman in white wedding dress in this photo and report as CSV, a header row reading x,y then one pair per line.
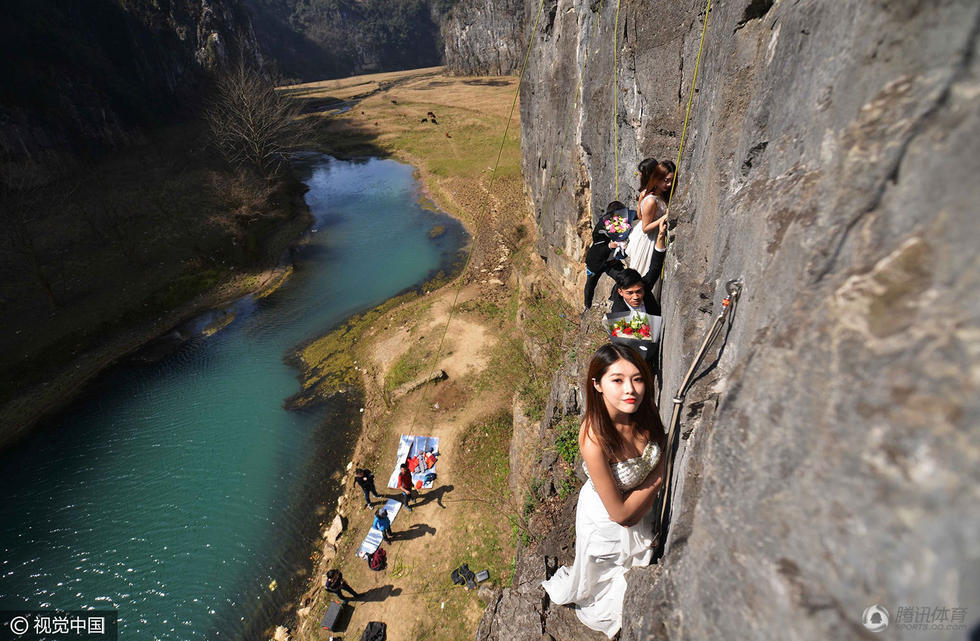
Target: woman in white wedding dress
x,y
655,184
621,440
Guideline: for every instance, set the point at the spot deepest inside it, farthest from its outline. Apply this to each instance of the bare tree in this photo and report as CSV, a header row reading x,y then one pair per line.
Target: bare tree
x,y
112,229
252,124
21,208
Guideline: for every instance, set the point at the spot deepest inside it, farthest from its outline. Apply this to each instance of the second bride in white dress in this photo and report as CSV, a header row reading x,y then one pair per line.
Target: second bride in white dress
x,y
655,183
621,440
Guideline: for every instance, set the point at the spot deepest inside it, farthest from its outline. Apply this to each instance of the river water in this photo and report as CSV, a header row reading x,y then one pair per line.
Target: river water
x,y
177,492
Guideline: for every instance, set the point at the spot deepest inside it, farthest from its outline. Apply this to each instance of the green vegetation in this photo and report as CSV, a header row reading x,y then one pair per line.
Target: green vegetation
x,y
568,486
545,327
407,367
484,308
566,438
485,449
329,361
518,530
437,231
478,135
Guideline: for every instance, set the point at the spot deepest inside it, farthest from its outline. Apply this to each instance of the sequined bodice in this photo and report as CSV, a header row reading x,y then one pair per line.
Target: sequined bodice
x,y
631,472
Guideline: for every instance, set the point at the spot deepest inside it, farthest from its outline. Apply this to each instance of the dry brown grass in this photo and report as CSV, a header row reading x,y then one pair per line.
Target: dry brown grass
x,y
347,88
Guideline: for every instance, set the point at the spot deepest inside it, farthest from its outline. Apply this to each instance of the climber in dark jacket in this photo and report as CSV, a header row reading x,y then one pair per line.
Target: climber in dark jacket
x,y
601,258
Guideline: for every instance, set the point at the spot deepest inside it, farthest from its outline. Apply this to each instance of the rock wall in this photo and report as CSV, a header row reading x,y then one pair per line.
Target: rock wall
x,y
485,38
312,40
83,76
830,452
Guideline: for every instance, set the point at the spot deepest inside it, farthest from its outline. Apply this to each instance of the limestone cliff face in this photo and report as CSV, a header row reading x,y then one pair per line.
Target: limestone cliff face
x,y
487,38
830,458
87,75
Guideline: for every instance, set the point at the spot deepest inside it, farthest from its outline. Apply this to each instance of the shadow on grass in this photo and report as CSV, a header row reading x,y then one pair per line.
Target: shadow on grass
x,y
314,105
434,495
379,594
487,83
416,531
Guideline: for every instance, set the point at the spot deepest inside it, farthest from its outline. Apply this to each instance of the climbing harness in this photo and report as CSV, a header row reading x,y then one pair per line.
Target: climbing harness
x,y
734,289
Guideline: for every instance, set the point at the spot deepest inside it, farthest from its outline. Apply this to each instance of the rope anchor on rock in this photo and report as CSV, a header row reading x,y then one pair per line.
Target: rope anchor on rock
x,y
734,289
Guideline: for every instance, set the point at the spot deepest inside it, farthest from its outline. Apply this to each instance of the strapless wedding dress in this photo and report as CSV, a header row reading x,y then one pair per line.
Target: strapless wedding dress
x,y
605,550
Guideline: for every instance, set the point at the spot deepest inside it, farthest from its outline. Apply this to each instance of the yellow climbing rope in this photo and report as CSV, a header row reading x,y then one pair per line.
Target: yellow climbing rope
x,y
734,290
568,122
690,101
484,209
615,99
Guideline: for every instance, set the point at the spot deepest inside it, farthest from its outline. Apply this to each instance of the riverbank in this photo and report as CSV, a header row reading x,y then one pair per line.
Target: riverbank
x,y
496,333
131,247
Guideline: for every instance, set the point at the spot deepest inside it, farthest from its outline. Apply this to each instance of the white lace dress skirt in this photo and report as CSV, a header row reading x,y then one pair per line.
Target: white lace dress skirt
x,y
604,552
640,248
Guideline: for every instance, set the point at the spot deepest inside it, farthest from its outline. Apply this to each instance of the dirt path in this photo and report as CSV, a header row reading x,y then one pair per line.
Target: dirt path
x,y
413,593
420,557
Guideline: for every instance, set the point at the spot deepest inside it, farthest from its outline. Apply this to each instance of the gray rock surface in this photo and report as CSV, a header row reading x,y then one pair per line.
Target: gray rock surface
x,y
516,615
831,458
524,443
424,379
485,38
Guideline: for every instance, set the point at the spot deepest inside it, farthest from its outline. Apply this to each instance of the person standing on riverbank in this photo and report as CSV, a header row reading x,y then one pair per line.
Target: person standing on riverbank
x,y
365,478
383,523
335,583
405,485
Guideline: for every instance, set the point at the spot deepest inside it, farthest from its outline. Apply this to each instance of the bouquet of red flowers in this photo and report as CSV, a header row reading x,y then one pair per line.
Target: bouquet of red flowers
x,y
635,326
631,327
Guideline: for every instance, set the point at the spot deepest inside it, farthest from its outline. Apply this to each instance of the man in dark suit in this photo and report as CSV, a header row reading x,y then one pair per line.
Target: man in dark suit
x,y
634,292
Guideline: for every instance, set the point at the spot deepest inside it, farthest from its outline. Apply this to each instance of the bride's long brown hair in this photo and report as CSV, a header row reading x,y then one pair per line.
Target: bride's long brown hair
x,y
646,419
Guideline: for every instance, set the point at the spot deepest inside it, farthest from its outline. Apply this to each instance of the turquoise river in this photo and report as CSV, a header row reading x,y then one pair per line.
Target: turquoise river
x,y
176,492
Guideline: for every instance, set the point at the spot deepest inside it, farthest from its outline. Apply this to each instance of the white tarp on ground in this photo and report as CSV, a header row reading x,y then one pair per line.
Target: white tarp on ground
x,y
409,446
374,536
